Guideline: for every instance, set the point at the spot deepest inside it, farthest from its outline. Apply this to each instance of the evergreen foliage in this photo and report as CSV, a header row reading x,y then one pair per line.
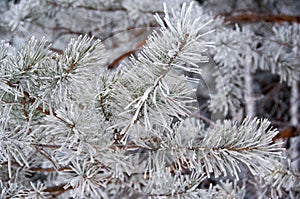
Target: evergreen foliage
x,y
72,127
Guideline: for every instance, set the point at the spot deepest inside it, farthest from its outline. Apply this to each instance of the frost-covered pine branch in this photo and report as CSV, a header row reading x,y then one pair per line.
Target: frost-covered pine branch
x,y
145,87
282,180
224,146
70,127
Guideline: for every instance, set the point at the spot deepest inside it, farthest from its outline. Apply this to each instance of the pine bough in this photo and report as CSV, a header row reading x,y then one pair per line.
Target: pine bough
x,y
68,127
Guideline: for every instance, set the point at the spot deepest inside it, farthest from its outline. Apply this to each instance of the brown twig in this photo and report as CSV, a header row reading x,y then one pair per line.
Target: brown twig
x,y
49,170
251,17
47,156
287,132
125,55
24,108
57,190
46,146
108,9
113,64
101,102
71,67
59,51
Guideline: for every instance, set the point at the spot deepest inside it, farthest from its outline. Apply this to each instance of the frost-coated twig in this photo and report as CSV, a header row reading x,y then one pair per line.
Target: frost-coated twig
x,y
294,103
295,95
249,98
